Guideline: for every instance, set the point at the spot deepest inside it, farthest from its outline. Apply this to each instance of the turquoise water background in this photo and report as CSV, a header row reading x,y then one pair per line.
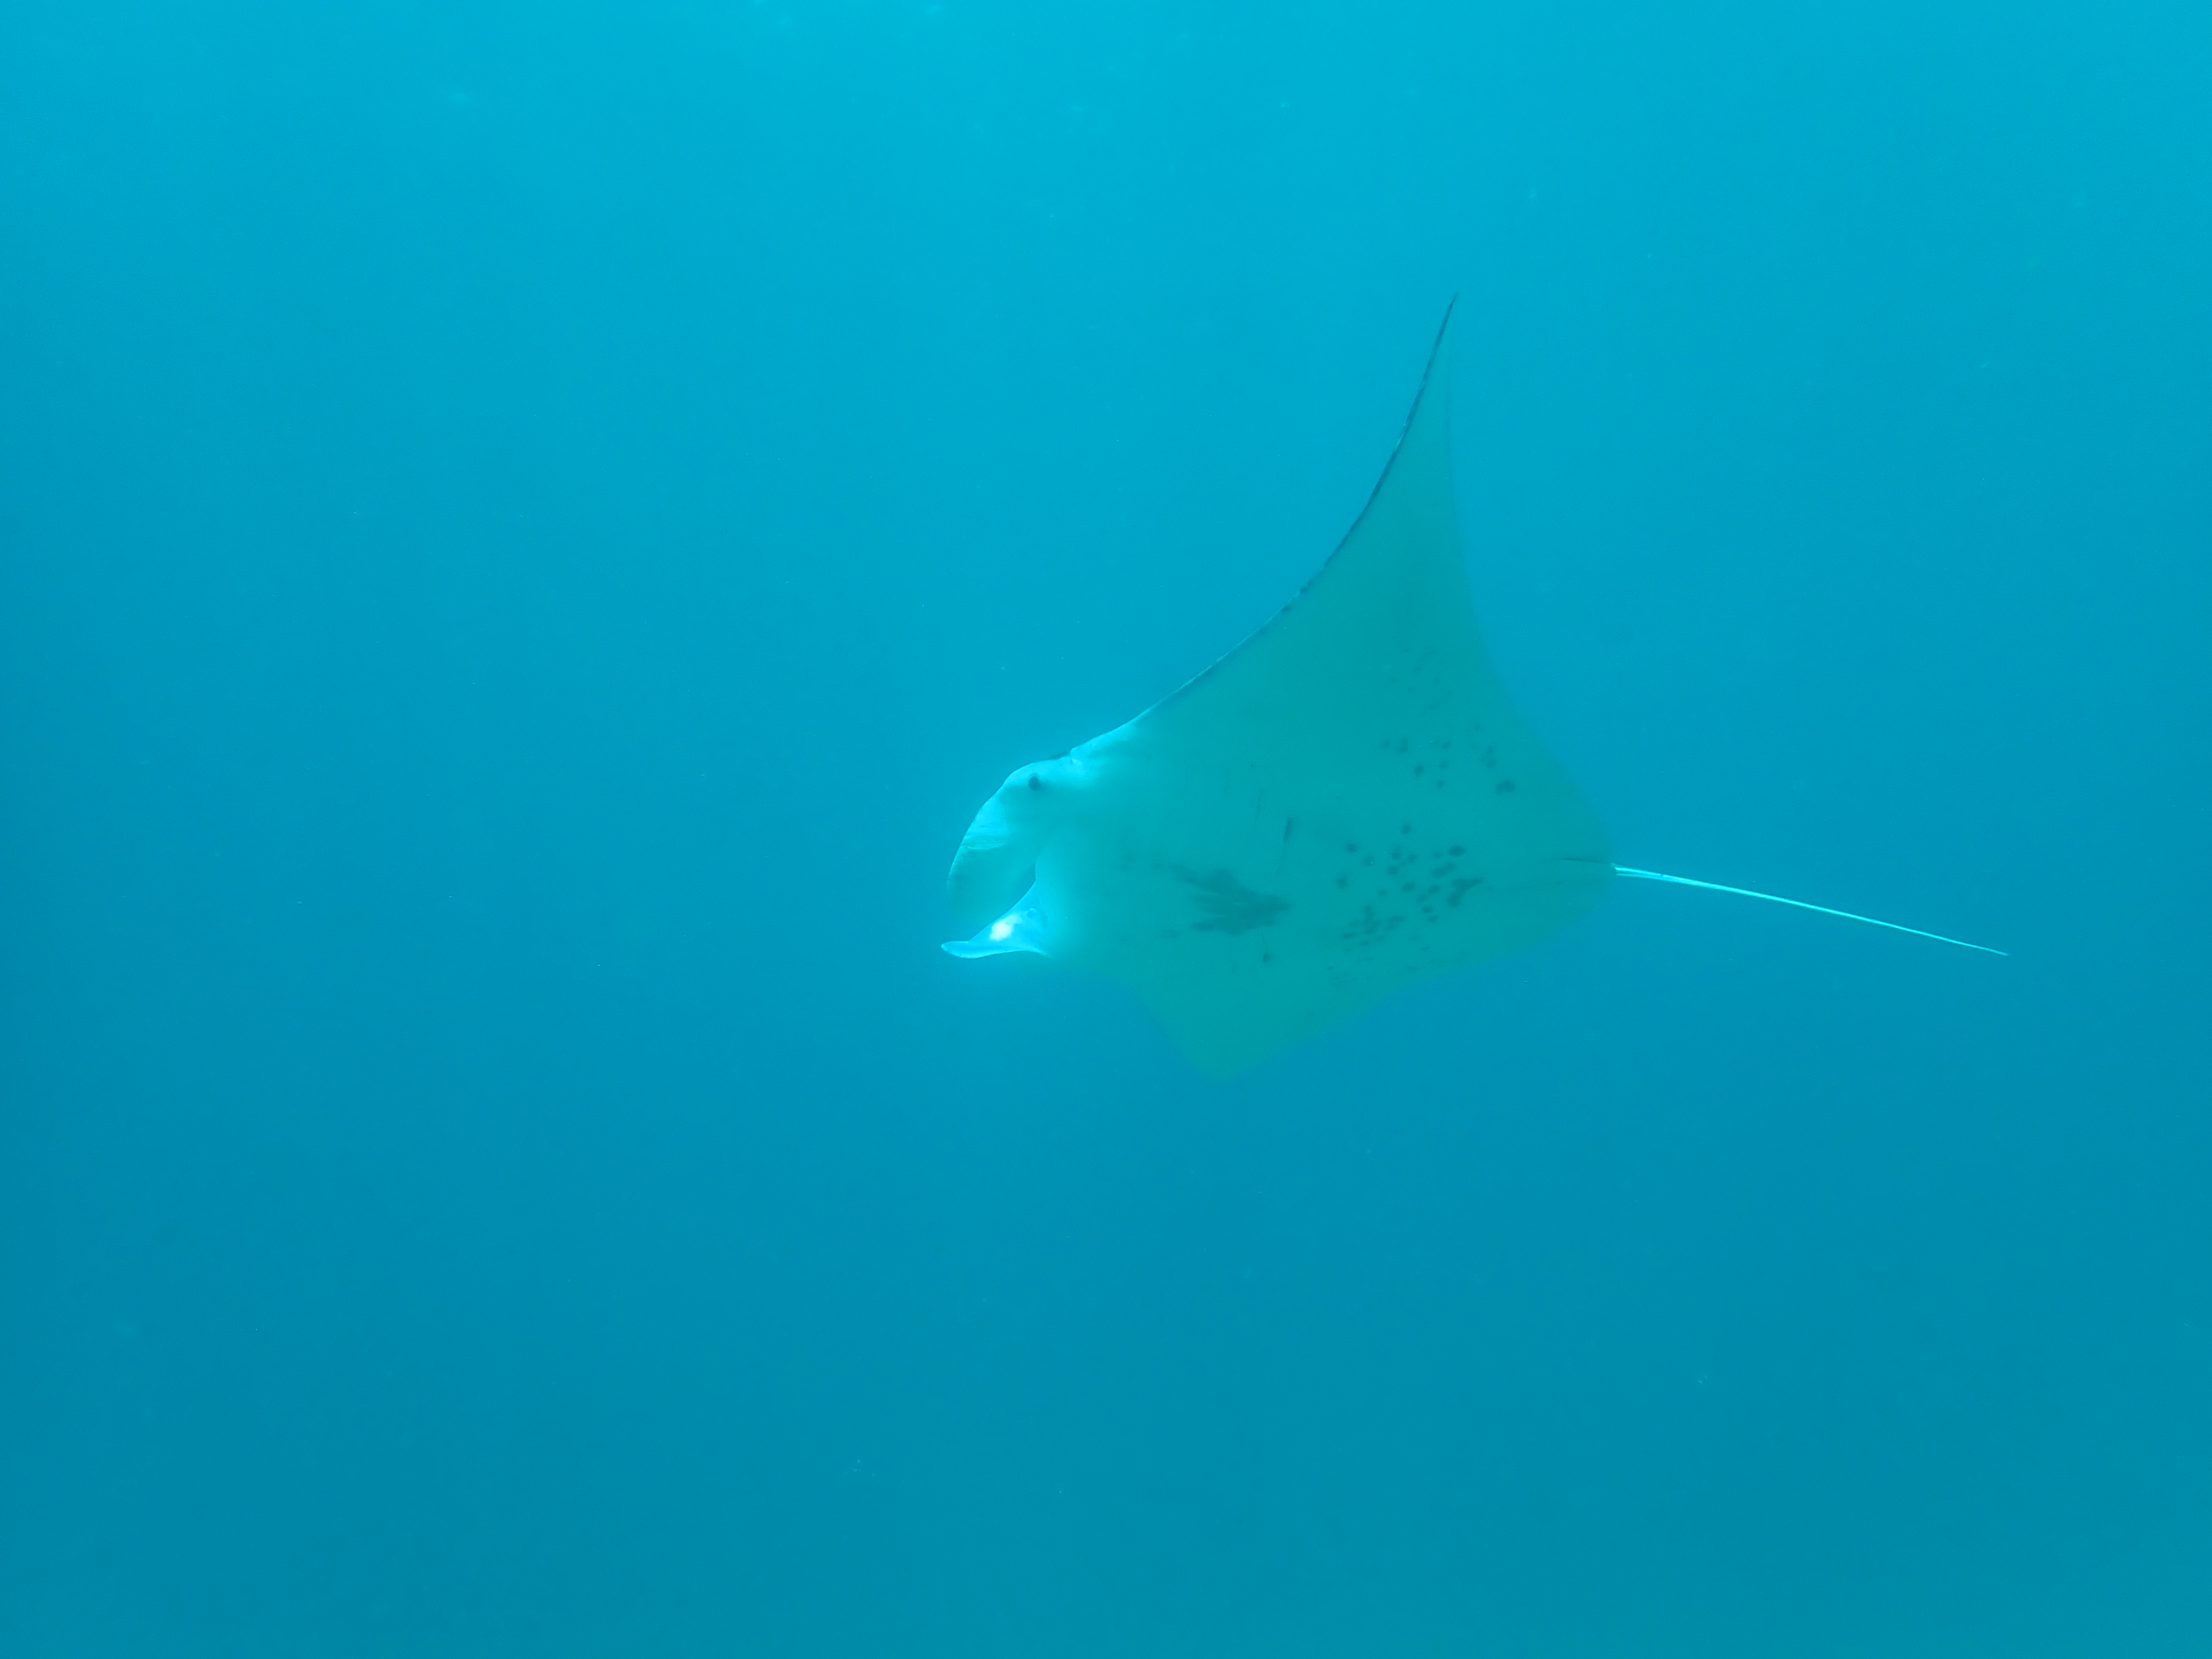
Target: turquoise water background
x,y
526,531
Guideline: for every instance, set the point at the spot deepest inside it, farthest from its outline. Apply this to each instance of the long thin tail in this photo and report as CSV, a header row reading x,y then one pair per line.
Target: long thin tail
x,y
1799,904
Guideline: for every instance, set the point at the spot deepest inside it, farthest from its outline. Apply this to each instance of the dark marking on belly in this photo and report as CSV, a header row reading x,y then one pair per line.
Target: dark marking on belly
x,y
1226,905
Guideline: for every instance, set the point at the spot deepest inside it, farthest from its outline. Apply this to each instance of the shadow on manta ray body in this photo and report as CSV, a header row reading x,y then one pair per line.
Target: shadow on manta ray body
x,y
1345,803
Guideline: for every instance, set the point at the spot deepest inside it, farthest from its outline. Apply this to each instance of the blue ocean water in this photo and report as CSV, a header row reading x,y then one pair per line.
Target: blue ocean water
x,y
526,531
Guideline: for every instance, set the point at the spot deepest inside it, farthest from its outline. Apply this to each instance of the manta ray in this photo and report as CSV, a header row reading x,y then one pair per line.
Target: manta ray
x,y
1345,803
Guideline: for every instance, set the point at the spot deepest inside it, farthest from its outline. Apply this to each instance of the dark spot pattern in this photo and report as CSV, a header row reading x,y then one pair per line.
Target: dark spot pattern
x,y
1403,889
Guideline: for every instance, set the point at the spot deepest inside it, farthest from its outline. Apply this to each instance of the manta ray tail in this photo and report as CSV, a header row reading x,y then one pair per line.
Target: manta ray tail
x,y
1799,904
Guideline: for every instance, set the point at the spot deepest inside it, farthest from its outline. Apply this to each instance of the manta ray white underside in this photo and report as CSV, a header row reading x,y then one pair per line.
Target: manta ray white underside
x,y
1344,803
